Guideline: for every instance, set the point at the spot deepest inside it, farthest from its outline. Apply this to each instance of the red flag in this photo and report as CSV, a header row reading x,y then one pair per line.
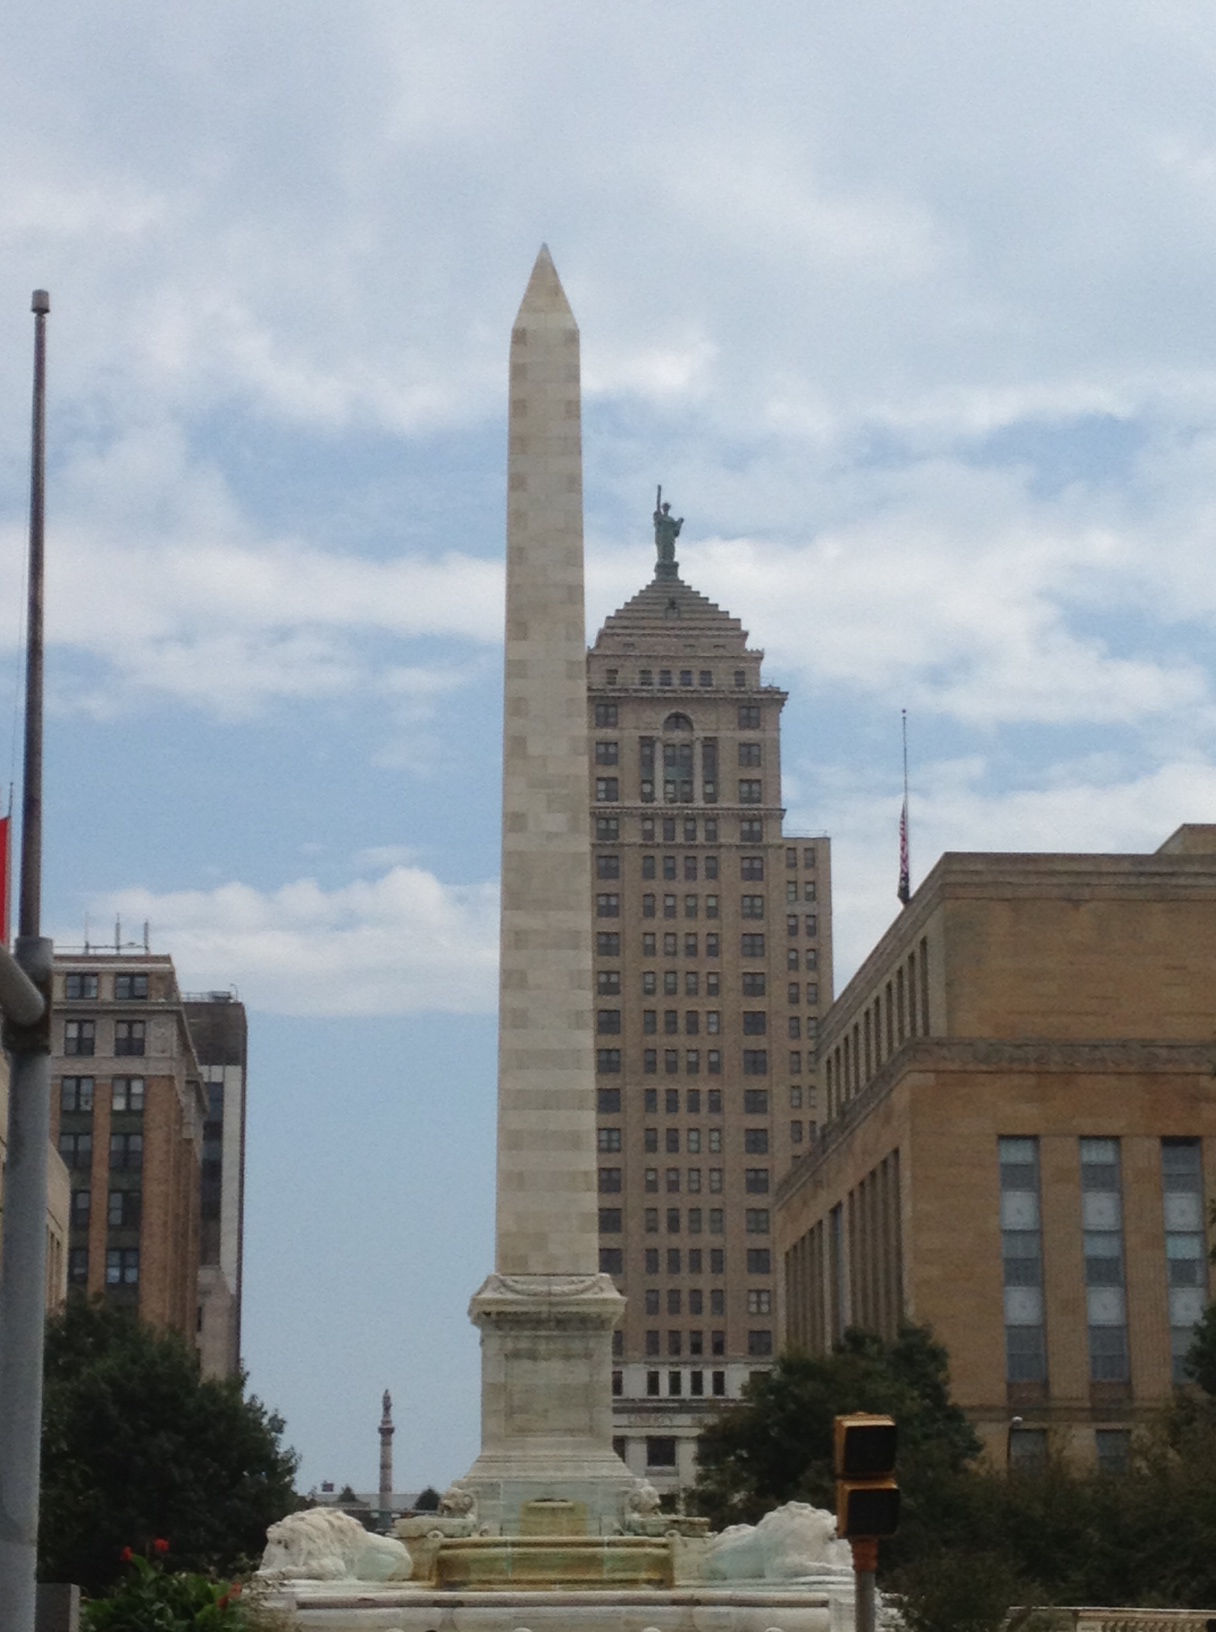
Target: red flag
x,y
6,828
905,872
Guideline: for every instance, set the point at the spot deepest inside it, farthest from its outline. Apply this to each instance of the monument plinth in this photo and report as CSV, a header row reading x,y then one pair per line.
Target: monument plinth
x,y
546,1315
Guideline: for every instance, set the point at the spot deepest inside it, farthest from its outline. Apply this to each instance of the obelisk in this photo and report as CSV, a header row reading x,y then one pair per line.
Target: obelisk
x,y
546,1314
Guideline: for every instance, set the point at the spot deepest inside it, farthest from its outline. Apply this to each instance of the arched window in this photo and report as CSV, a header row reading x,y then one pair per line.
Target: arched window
x,y
677,722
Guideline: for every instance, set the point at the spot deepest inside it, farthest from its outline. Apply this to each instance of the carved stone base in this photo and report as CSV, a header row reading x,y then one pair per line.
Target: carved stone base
x,y
546,1402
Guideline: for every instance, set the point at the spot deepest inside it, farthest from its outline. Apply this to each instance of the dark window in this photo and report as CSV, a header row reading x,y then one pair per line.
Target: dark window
x,y
608,1138
608,906
82,1207
759,1261
607,829
608,1101
126,1152
122,1266
671,1061
750,792
671,1021
648,906
610,1221
755,1022
78,1266
605,714
608,982
755,1141
755,1181
607,753
652,1342
128,987
753,906
652,1300
81,986
650,1221
669,906
648,870
751,830
607,1060
749,716
650,1062
752,867
79,1036
717,1296
713,1061
660,1450
706,677
610,1180
608,944
652,1260
756,1220
755,1062
76,1094
129,1036
125,1209
753,946
607,790
650,1022
749,755
755,1101
671,1136
608,1021
713,946
607,866
673,1221
759,1343
77,1150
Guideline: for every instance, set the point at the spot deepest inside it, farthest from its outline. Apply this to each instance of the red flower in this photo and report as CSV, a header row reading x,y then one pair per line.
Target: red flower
x,y
126,1555
234,1591
160,1545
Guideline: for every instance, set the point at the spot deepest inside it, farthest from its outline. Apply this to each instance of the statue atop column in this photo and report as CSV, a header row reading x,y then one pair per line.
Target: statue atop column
x,y
666,531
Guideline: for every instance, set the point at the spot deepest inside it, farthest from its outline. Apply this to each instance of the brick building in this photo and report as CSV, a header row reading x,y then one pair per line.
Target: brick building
x,y
713,963
128,1114
1019,1139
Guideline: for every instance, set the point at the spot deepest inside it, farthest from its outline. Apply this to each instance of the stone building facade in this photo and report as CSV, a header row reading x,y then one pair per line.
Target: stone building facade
x,y
713,964
220,1031
1019,1139
58,1203
128,1113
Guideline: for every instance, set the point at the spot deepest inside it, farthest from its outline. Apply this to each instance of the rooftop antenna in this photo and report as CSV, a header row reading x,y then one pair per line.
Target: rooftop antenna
x,y
146,947
86,932
905,871
118,934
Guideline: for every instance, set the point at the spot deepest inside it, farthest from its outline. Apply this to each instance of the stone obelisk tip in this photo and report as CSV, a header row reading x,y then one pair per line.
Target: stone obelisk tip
x,y
544,295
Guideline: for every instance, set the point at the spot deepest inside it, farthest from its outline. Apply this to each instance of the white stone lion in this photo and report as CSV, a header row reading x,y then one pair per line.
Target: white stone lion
x,y
323,1544
790,1542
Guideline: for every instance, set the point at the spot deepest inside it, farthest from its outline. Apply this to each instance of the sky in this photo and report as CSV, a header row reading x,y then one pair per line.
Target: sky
x,y
908,307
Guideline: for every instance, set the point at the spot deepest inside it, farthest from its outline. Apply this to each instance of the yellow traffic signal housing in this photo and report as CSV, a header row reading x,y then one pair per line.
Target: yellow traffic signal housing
x,y
867,1496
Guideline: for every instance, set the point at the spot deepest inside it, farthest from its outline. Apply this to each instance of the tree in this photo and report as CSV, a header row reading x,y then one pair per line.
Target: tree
x,y
776,1446
136,1444
428,1500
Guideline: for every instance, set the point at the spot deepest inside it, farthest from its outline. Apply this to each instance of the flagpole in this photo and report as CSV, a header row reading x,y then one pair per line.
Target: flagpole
x,y
25,993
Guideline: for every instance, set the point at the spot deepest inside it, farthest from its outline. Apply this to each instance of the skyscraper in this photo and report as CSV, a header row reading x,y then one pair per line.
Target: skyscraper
x,y
713,962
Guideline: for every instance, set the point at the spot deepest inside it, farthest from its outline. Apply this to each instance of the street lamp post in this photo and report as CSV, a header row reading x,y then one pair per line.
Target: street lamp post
x,y
25,997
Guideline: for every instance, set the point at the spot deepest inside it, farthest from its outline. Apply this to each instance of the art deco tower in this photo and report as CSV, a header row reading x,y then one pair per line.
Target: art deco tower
x,y
547,1314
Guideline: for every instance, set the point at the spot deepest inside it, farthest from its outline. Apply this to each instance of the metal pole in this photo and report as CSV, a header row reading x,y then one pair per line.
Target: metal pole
x,y
23,1291
865,1564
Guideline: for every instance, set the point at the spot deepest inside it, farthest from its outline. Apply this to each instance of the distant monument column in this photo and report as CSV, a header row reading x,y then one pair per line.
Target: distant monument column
x,y
546,1314
386,1457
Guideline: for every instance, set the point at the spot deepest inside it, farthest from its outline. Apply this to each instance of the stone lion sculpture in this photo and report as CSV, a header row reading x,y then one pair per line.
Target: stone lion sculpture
x,y
324,1544
790,1542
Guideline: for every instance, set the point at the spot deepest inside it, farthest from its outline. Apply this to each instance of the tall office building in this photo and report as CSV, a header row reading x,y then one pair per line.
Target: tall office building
x,y
713,963
220,1031
140,1126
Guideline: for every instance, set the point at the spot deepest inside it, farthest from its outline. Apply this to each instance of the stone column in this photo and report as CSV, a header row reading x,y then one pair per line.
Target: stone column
x,y
546,1315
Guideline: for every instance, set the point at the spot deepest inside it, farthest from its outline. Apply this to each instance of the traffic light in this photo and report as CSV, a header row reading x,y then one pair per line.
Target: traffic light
x,y
867,1497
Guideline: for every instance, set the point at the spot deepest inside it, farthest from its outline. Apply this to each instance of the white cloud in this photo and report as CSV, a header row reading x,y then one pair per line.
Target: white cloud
x,y
394,944
1088,807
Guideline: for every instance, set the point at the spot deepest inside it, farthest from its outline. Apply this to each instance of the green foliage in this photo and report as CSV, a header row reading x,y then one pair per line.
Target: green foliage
x,y
149,1599
974,1541
137,1444
776,1445
428,1501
